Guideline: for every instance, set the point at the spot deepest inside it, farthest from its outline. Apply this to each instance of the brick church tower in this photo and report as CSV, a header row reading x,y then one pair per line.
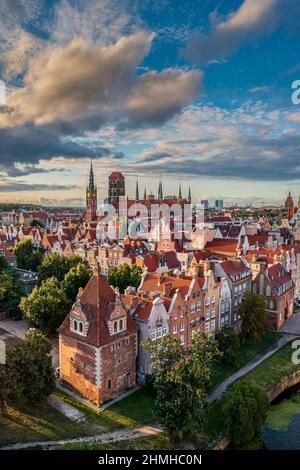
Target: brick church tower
x,y
116,187
91,198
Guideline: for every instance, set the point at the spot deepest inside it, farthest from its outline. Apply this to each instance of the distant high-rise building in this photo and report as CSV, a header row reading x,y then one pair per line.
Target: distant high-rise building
x,y
219,204
116,187
204,203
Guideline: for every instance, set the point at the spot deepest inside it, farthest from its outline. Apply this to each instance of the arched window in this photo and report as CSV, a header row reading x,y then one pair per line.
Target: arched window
x,y
75,325
121,325
115,327
80,327
268,291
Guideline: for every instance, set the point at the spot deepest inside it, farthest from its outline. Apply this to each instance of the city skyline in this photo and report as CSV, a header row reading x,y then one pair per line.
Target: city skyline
x,y
200,95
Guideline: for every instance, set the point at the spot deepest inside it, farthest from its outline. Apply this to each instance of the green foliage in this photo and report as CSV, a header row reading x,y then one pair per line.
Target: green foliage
x,y
245,411
229,345
57,266
36,223
27,374
28,257
252,311
46,307
181,382
77,277
125,276
11,290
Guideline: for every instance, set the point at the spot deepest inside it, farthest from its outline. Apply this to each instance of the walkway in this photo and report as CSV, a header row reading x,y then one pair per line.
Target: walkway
x,y
221,389
292,325
107,438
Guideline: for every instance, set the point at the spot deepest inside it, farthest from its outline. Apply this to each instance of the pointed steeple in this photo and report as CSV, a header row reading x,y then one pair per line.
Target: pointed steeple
x,y
160,190
180,193
190,195
145,193
91,178
137,196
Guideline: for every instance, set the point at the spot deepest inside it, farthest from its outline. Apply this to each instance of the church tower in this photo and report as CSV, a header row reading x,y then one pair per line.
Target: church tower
x,y
91,198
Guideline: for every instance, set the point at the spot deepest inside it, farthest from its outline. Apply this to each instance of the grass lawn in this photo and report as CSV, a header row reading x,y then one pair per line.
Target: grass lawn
x,y
38,423
158,442
133,411
42,422
249,350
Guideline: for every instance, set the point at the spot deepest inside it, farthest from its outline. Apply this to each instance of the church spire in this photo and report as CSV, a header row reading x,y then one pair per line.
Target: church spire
x,y
190,195
145,193
179,193
91,178
137,196
160,190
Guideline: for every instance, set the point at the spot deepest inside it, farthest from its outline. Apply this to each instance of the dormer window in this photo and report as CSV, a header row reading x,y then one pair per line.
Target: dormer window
x,y
80,327
121,325
75,325
115,327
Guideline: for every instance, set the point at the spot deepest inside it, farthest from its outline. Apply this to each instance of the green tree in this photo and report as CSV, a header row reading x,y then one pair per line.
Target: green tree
x,y
46,307
245,412
11,290
28,257
28,373
37,223
181,379
229,345
252,311
77,277
125,276
57,266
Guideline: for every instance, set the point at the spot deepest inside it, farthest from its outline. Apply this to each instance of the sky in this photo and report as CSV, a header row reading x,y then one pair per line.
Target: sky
x,y
197,92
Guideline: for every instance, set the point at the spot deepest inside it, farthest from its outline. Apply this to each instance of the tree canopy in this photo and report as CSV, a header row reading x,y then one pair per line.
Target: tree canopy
x,y
181,379
57,266
252,311
245,411
77,277
46,307
28,257
28,373
11,290
125,276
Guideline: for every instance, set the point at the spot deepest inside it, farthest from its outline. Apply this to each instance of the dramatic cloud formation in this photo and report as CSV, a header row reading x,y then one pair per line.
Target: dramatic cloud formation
x,y
253,18
79,82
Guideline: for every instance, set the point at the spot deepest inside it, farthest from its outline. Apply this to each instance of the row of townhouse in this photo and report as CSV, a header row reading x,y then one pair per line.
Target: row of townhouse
x,y
100,341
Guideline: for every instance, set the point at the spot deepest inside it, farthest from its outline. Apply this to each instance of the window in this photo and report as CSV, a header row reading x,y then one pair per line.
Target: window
x,y
80,327
198,306
206,327
175,329
213,325
182,326
153,335
164,331
213,299
193,306
75,325
181,339
121,325
109,384
115,327
207,301
213,313
159,333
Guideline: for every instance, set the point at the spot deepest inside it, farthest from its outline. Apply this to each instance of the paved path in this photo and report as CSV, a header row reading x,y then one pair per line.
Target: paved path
x,y
69,411
107,438
220,390
292,325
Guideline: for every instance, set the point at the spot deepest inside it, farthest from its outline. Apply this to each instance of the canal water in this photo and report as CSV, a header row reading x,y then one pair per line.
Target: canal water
x,y
282,428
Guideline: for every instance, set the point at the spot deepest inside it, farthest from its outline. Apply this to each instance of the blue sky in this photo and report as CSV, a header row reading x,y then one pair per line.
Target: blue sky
x,y
198,91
